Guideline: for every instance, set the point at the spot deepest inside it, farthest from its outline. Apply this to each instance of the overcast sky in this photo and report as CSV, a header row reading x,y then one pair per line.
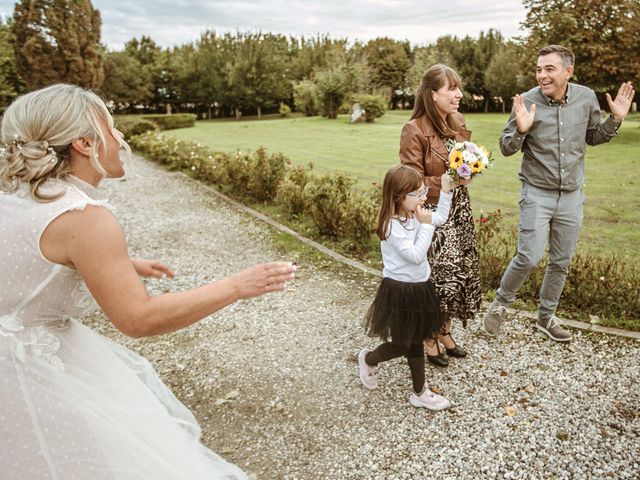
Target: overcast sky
x,y
175,22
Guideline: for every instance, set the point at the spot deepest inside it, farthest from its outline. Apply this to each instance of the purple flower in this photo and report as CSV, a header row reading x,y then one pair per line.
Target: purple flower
x,y
464,171
471,147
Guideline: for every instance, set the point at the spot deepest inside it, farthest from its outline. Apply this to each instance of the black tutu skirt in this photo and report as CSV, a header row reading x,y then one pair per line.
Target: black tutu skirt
x,y
405,313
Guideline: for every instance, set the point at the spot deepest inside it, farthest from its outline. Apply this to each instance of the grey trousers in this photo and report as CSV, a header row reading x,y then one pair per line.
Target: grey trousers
x,y
550,217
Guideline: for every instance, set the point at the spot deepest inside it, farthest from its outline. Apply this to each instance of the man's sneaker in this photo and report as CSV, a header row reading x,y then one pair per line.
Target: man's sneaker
x,y
429,400
494,318
368,374
553,330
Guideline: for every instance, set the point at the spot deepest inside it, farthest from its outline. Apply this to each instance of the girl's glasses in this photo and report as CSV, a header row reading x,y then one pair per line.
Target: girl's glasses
x,y
420,193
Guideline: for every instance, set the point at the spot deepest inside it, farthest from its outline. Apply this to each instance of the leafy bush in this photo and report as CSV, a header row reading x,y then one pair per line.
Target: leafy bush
x,y
496,247
345,108
374,106
332,90
305,97
181,155
236,173
254,175
361,216
131,126
267,173
176,120
326,197
602,285
284,109
291,194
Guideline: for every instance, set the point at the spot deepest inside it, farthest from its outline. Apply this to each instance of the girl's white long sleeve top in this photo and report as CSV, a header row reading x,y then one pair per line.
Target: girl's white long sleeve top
x,y
404,252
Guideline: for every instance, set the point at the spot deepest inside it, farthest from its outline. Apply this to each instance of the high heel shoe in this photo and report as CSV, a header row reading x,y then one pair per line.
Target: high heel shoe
x,y
439,360
456,351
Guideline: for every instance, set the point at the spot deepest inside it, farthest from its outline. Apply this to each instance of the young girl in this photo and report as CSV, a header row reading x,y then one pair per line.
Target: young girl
x,y
406,310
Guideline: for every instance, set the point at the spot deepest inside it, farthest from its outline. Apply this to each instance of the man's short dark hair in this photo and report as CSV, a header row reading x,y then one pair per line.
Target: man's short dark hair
x,y
566,55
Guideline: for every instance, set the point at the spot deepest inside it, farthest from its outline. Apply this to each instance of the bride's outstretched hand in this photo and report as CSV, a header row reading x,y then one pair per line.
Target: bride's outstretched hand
x,y
151,268
263,278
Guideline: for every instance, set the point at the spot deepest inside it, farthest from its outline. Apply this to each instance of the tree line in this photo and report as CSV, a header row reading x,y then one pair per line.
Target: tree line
x,y
230,74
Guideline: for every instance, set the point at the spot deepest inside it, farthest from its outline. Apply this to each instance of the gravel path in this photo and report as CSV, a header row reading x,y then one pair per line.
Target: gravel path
x,y
274,382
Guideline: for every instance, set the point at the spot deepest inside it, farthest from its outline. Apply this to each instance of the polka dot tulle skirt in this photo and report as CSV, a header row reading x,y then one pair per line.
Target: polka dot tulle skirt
x,y
74,404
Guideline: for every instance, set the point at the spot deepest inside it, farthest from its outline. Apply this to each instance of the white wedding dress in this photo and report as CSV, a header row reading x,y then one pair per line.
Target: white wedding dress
x,y
74,404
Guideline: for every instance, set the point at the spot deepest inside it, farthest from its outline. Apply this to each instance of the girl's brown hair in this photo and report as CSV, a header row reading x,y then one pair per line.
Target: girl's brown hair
x,y
434,79
398,181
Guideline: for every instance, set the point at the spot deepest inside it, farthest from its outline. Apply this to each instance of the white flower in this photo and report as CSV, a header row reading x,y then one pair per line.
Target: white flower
x,y
468,157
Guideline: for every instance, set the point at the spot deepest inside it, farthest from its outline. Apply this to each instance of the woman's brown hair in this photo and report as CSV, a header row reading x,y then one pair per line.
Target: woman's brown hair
x,y
434,79
398,181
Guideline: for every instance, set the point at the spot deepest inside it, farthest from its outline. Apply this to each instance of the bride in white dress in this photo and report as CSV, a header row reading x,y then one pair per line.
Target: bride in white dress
x,y
73,404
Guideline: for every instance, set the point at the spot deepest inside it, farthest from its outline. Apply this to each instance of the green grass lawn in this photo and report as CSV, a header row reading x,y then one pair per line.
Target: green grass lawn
x,y
366,151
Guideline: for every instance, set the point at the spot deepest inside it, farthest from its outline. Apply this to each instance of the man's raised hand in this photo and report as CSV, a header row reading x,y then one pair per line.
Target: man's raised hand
x,y
524,117
622,103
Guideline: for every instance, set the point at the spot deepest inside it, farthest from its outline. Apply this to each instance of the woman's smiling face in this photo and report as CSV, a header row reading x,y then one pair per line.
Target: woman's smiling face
x,y
447,98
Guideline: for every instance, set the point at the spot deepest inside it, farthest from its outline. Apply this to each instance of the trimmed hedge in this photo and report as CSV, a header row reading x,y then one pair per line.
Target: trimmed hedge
x,y
175,120
131,126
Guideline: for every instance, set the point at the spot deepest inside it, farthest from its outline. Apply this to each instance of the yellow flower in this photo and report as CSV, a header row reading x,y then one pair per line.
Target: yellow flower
x,y
455,159
476,167
485,150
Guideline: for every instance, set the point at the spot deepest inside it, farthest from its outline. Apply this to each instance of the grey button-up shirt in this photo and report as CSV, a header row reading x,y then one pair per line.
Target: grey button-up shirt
x,y
553,148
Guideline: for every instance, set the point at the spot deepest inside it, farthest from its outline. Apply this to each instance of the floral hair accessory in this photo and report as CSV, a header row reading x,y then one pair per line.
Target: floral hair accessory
x,y
17,142
51,151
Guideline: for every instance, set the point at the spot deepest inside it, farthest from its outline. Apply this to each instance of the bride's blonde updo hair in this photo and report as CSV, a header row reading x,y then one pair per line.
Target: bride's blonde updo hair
x,y
37,131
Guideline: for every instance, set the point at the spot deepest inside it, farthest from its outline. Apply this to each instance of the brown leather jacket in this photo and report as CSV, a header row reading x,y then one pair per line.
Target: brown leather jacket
x,y
422,149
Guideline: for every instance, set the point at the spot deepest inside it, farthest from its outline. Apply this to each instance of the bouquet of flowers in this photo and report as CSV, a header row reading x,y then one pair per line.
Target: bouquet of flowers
x,y
466,160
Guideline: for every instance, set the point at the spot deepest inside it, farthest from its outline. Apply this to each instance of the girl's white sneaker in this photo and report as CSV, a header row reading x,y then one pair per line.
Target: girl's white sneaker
x,y
368,374
429,400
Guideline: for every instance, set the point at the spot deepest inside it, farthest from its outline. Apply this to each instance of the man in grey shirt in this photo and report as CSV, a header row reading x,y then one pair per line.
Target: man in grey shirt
x,y
551,124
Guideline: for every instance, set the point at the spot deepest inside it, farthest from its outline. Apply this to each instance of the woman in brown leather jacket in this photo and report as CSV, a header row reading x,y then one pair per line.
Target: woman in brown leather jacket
x,y
425,142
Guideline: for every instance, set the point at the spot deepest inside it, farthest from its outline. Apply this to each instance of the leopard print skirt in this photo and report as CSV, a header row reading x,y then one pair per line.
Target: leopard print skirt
x,y
455,267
